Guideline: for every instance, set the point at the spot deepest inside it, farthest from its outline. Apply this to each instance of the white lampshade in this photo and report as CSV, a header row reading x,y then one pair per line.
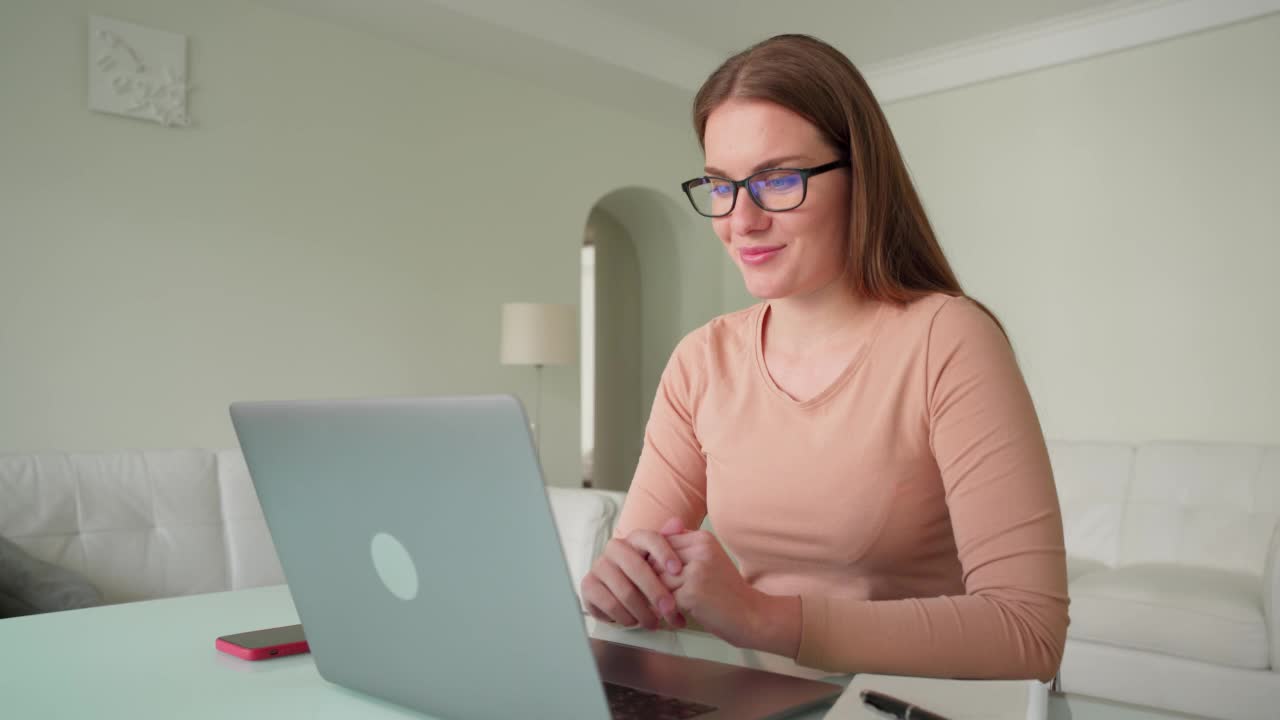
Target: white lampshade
x,y
539,334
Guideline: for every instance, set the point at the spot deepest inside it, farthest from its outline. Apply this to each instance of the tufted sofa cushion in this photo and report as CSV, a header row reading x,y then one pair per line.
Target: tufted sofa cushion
x,y
1203,505
1191,504
138,524
1092,481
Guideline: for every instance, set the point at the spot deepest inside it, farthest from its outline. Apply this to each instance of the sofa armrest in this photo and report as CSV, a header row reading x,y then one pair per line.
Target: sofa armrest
x,y
1271,597
584,521
617,498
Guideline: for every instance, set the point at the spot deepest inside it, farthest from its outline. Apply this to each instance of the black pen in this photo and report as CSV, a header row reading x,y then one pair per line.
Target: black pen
x,y
897,708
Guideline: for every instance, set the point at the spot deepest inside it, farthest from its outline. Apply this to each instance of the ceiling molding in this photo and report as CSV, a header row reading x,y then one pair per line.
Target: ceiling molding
x,y
588,51
1066,39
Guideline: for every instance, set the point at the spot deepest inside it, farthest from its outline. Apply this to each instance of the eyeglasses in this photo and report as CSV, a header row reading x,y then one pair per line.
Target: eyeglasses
x,y
774,190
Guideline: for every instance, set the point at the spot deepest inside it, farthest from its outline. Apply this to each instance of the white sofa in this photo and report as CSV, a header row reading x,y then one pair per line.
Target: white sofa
x,y
140,524
1173,553
1174,564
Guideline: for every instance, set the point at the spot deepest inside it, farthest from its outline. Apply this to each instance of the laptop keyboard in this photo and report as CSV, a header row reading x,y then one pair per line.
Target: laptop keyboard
x,y
630,704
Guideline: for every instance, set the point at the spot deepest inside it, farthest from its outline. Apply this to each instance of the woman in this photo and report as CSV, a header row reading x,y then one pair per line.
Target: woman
x,y
862,441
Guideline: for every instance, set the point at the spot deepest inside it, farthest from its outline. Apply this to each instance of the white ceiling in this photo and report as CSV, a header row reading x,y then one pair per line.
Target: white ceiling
x,y
648,57
868,31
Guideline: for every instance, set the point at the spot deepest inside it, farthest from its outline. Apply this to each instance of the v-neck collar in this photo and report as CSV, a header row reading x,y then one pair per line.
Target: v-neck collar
x,y
840,381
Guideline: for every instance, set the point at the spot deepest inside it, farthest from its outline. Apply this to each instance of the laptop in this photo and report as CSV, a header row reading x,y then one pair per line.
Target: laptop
x,y
423,559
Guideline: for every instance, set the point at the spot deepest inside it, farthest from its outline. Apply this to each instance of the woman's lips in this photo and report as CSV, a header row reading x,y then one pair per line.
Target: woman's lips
x,y
760,254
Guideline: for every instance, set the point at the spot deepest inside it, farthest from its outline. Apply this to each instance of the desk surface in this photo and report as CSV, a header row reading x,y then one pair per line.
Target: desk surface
x,y
156,660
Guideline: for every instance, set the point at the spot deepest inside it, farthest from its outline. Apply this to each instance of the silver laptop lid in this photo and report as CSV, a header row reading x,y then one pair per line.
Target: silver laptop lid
x,y
368,502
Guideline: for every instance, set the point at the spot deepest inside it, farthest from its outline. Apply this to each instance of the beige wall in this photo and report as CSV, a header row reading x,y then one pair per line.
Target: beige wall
x,y
345,219
1122,216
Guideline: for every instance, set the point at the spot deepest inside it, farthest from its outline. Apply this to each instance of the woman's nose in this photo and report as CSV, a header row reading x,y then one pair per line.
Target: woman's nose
x,y
747,217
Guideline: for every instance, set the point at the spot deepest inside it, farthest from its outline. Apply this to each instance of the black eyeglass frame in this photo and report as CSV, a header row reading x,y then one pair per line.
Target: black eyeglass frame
x,y
805,174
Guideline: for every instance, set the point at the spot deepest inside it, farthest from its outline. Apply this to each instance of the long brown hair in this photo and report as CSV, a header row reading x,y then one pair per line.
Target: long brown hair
x,y
892,254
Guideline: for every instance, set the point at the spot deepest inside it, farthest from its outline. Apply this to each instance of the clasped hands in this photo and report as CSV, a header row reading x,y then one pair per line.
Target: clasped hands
x,y
665,576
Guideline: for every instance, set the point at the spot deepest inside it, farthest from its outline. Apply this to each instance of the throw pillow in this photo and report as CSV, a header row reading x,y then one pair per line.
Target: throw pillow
x,y
29,586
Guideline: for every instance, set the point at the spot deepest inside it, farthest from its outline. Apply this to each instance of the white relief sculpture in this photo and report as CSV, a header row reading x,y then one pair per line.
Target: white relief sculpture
x,y
107,60
138,72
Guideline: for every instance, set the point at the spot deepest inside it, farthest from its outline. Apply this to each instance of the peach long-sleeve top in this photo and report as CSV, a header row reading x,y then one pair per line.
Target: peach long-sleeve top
x,y
910,505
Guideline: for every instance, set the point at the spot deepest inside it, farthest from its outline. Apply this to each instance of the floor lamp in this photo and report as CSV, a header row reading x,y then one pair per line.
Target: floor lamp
x,y
538,334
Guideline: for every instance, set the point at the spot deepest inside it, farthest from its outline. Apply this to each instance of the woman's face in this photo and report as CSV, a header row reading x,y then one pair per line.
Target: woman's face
x,y
780,254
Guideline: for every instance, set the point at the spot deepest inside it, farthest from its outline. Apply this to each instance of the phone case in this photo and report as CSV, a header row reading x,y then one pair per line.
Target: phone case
x,y
262,653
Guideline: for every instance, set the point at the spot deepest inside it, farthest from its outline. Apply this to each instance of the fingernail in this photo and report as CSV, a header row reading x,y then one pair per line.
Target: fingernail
x,y
666,605
673,567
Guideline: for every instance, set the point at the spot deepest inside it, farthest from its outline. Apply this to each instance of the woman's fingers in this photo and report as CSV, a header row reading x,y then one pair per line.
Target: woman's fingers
x,y
626,592
657,594
685,541
656,549
602,604
672,526
634,581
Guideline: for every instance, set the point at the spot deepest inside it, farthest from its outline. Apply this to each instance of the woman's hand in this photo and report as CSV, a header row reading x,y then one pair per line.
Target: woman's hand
x,y
623,585
712,591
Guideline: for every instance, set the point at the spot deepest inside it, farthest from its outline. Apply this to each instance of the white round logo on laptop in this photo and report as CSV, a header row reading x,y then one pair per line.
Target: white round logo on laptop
x,y
395,566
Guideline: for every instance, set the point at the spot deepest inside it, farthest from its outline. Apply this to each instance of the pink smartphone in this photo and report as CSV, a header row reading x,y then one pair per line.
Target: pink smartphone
x,y
265,644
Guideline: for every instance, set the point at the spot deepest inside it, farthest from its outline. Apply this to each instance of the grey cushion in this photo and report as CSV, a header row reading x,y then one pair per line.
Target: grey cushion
x,y
29,586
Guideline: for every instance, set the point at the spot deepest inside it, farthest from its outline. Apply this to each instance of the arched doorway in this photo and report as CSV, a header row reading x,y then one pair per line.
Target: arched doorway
x,y
651,273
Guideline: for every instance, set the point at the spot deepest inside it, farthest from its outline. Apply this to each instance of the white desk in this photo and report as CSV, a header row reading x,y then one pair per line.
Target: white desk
x,y
156,660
